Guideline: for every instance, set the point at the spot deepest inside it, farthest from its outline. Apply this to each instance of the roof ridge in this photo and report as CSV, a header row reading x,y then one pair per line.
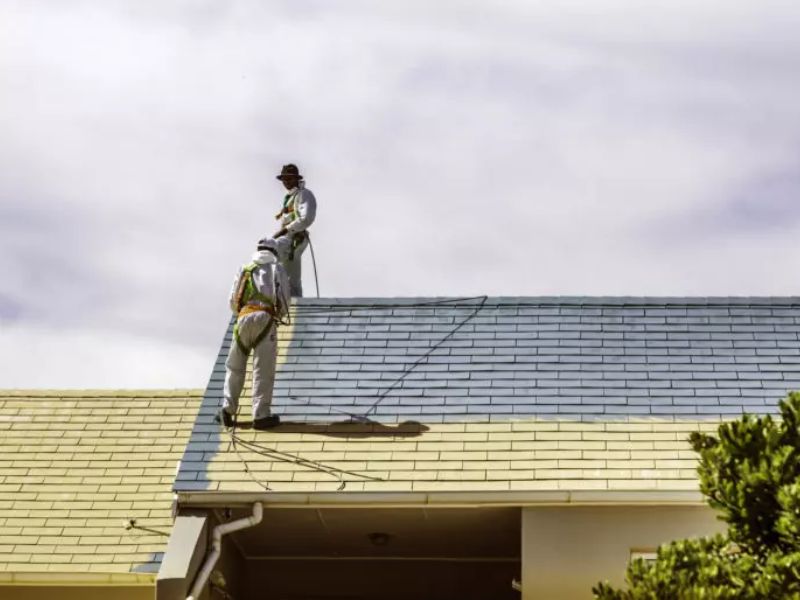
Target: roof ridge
x,y
539,300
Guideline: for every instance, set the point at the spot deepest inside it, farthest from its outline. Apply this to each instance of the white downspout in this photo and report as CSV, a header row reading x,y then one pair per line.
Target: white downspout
x,y
216,546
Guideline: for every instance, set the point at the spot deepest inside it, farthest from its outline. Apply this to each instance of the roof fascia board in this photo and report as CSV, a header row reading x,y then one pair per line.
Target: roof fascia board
x,y
441,499
67,579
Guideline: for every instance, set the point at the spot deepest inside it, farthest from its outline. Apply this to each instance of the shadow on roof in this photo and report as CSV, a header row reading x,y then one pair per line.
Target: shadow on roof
x,y
347,429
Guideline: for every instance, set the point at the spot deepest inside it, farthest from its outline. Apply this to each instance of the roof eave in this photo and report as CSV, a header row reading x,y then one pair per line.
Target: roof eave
x,y
79,579
442,499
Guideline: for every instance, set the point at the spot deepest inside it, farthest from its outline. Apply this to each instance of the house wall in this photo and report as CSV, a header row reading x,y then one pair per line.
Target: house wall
x,y
567,550
42,592
174,585
231,565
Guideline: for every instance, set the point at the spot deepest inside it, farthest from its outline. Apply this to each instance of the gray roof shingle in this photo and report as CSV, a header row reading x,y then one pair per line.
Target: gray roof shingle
x,y
435,359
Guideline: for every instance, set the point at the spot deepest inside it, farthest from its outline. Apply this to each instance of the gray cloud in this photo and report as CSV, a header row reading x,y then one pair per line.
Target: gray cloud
x,y
763,205
10,310
768,202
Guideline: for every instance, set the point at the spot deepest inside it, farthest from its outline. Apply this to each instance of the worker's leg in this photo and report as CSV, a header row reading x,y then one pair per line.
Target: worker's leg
x,y
291,261
293,270
264,355
235,369
251,330
284,243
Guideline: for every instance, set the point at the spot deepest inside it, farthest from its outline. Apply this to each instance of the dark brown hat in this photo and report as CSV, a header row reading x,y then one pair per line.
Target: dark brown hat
x,y
289,169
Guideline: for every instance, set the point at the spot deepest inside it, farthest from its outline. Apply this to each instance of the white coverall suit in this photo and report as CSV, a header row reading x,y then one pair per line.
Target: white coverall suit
x,y
255,331
299,212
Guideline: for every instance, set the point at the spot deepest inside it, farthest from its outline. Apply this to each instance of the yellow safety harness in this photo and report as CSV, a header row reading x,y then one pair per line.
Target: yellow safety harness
x,y
290,215
248,301
289,208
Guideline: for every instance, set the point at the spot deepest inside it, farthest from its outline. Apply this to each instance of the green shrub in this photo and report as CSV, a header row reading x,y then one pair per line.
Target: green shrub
x,y
750,474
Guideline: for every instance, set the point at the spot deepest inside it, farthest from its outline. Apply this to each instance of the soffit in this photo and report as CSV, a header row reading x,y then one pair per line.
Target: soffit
x,y
345,533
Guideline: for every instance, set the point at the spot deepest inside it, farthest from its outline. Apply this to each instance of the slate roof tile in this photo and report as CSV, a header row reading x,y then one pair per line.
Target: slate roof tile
x,y
615,365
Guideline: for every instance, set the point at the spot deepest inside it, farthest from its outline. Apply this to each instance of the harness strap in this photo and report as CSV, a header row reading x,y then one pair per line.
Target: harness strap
x,y
259,338
249,301
297,239
249,309
289,208
248,292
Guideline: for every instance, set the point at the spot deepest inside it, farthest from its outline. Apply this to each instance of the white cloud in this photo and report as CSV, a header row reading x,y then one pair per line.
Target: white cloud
x,y
37,357
456,148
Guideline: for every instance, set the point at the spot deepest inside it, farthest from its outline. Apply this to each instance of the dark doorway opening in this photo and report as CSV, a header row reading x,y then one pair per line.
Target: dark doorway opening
x,y
381,553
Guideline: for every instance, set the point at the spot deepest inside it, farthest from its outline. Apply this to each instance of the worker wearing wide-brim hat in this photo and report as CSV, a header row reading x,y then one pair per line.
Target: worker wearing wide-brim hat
x,y
296,215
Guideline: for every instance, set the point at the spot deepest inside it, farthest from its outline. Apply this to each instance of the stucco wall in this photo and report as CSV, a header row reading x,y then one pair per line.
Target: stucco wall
x,y
565,551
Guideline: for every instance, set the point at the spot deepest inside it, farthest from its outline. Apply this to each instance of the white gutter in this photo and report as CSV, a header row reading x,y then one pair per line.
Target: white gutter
x,y
444,499
216,546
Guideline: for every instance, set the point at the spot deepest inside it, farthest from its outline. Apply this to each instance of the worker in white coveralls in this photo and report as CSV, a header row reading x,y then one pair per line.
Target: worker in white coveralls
x,y
260,300
296,216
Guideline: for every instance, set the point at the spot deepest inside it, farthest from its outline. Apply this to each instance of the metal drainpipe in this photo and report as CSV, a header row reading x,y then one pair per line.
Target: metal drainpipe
x,y
216,546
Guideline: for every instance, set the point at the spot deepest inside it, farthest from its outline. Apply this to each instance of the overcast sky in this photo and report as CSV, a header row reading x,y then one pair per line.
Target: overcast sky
x,y
455,148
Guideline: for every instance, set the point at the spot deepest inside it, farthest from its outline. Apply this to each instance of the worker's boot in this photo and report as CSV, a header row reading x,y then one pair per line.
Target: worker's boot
x,y
267,422
225,418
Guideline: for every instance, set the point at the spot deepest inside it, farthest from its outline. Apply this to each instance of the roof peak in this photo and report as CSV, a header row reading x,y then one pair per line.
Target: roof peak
x,y
555,300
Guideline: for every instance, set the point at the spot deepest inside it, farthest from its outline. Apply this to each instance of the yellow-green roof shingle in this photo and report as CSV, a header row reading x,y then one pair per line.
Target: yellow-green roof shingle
x,y
517,456
76,466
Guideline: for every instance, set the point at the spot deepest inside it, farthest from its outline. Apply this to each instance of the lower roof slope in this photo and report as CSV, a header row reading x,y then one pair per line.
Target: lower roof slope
x,y
75,467
501,393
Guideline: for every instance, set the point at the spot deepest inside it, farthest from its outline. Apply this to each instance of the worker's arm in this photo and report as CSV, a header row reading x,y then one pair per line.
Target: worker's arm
x,y
306,208
232,299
